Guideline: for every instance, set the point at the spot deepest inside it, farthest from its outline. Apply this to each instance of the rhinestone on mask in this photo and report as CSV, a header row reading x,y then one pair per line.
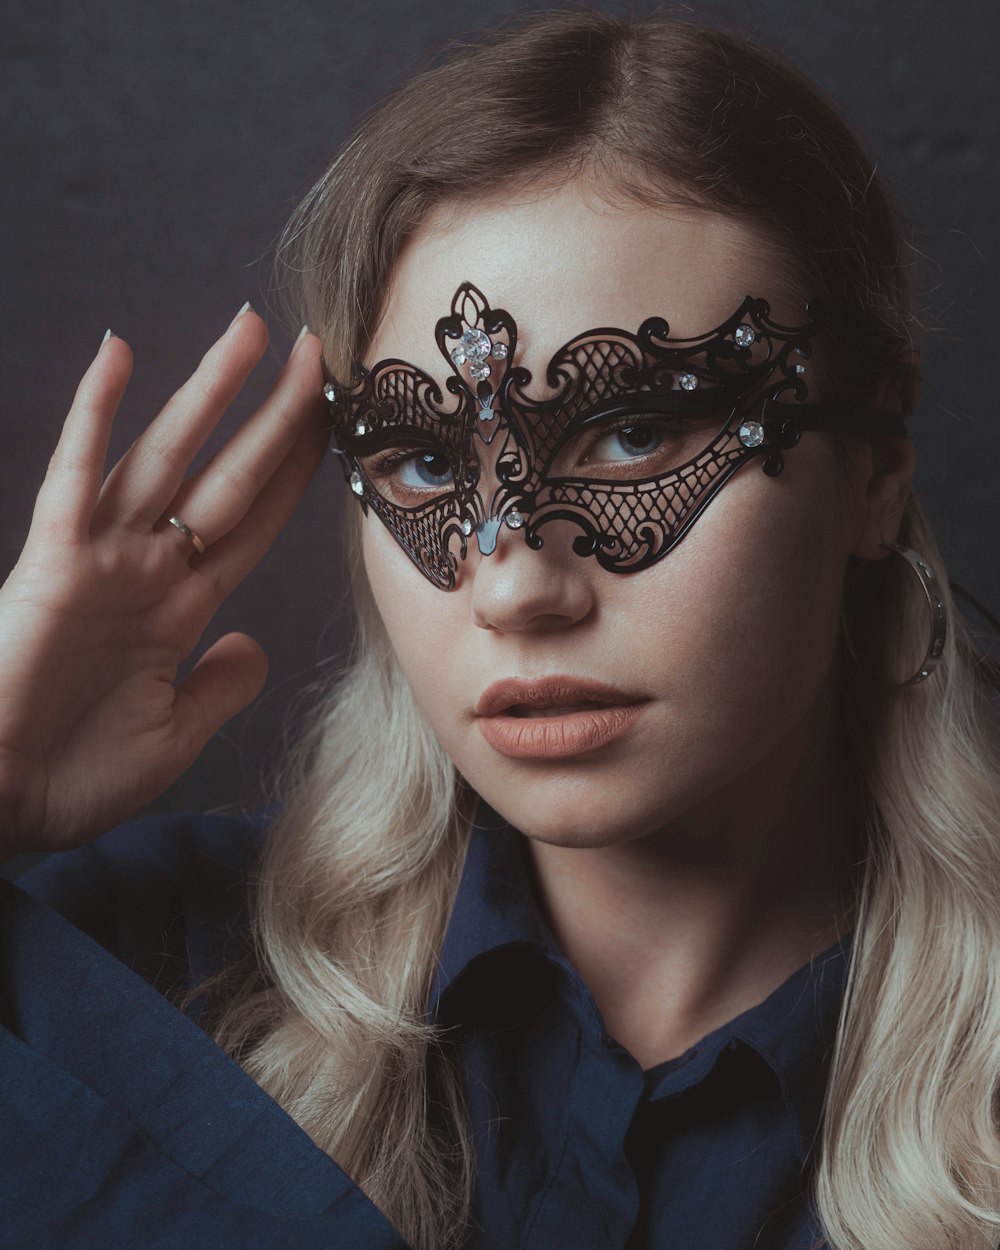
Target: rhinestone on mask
x,y
473,347
741,362
360,428
751,433
744,336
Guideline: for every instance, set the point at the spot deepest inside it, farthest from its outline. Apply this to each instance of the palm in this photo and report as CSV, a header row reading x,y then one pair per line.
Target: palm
x,y
106,601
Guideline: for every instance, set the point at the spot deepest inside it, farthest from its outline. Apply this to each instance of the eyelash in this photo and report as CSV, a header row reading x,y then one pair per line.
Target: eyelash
x,y
383,464
678,425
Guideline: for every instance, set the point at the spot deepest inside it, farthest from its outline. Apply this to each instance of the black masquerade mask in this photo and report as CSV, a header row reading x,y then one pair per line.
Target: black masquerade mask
x,y
632,439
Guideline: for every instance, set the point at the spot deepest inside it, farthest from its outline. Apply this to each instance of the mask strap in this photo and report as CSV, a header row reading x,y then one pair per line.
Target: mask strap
x,y
837,418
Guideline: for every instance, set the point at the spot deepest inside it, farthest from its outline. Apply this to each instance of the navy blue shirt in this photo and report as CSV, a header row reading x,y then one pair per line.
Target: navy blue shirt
x,y
123,1124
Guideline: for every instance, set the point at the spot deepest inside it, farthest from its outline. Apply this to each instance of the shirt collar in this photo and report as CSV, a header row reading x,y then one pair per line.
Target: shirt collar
x,y
792,1029
495,905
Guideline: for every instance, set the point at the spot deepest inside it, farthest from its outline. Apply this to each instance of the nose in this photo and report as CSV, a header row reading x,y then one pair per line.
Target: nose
x,y
516,588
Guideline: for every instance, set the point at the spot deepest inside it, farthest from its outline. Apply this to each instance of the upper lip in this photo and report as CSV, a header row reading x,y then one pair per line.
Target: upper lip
x,y
558,691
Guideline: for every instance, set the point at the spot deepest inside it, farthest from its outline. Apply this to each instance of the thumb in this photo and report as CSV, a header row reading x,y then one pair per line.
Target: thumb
x,y
228,676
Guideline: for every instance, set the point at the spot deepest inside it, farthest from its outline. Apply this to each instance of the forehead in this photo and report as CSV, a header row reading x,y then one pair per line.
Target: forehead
x,y
566,260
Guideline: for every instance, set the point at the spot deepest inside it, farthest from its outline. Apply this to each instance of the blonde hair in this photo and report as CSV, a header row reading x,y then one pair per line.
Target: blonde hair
x,y
361,866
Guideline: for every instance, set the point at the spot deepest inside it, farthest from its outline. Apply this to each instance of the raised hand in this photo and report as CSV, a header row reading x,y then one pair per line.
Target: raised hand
x,y
108,596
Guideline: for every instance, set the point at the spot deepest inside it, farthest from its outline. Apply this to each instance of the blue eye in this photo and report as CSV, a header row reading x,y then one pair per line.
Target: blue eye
x,y
636,440
409,476
640,444
431,469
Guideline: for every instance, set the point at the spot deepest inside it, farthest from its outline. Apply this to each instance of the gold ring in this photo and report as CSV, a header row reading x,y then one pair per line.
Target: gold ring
x,y
188,533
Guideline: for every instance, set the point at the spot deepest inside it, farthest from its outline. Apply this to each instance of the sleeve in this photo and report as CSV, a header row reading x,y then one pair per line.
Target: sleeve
x,y
122,1123
166,894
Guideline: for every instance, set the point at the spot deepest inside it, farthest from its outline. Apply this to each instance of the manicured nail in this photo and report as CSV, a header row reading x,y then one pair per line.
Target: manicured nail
x,y
299,338
301,335
240,313
107,335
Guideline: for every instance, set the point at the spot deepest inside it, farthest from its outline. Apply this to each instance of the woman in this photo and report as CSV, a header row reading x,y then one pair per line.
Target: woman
x,y
636,884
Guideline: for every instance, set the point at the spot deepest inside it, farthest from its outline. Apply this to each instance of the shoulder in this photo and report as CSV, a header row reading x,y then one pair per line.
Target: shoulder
x,y
159,889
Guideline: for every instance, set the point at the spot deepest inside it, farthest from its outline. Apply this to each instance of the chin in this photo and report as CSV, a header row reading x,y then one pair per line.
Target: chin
x,y
590,841
577,821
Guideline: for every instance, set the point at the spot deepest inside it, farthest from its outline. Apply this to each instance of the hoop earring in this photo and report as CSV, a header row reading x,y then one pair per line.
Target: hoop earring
x,y
938,616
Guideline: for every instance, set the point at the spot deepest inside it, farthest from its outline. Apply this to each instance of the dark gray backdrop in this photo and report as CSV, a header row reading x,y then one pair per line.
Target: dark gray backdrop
x,y
152,153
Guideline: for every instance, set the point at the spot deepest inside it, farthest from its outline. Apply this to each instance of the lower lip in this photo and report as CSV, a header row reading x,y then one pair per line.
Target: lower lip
x,y
558,737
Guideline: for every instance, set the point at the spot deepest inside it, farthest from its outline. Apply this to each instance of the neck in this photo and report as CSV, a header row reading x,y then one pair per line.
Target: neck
x,y
678,931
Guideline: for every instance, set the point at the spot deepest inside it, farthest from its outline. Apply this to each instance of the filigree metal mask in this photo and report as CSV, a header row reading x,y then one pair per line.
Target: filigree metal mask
x,y
705,406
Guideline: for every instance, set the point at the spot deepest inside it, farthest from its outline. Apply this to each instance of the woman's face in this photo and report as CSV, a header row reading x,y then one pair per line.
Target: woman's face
x,y
729,640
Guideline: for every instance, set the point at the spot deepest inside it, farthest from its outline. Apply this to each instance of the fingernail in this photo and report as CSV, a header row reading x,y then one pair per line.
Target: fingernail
x,y
107,335
301,335
239,314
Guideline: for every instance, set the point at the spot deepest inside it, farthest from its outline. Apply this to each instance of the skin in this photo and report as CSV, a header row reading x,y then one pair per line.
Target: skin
x,y
686,869
107,599
690,867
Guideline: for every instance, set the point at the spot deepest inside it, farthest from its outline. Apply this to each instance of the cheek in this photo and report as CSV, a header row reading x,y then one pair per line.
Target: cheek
x,y
746,608
419,618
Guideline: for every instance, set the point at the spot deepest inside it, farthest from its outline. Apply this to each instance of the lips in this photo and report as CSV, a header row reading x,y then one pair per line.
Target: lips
x,y
556,718
551,696
528,711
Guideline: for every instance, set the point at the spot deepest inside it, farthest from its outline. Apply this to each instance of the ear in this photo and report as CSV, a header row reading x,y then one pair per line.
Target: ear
x,y
888,472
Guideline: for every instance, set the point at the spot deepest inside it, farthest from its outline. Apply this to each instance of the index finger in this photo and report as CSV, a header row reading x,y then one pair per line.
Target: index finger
x,y
72,483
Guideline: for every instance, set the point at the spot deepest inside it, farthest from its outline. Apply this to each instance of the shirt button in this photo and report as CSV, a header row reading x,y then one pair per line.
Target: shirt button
x,y
733,1043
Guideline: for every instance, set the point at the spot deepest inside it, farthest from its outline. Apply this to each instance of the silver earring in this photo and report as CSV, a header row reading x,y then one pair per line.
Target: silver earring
x,y
938,616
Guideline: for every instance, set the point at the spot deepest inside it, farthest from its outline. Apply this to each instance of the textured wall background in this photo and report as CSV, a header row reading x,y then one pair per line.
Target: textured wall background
x,y
152,153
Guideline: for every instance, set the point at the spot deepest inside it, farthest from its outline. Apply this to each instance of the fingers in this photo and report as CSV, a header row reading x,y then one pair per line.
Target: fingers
x,y
230,558
221,494
228,561
73,480
228,676
145,480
